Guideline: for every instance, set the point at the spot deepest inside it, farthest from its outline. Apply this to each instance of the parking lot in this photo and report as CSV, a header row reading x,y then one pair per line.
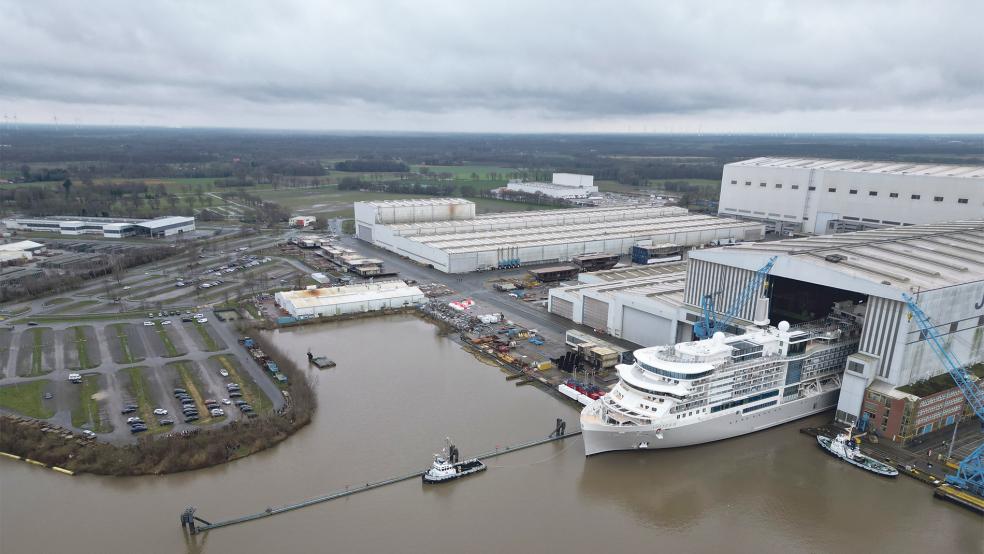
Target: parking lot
x,y
84,377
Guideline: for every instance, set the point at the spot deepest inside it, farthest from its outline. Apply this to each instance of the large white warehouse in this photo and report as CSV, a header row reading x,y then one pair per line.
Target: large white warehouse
x,y
822,196
563,185
331,301
514,239
941,264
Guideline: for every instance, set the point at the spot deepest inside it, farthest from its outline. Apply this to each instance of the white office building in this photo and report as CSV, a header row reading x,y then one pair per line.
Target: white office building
x,y
823,196
108,227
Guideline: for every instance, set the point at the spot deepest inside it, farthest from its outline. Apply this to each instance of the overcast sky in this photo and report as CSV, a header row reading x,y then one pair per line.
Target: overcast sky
x,y
501,65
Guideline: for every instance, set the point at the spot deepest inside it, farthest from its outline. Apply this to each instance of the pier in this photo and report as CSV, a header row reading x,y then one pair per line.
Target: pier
x,y
194,524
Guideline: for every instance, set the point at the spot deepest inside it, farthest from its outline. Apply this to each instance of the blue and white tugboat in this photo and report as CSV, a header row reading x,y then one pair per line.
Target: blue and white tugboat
x,y
446,466
844,447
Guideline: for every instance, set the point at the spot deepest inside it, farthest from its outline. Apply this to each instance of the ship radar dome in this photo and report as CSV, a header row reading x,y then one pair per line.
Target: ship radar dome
x,y
784,326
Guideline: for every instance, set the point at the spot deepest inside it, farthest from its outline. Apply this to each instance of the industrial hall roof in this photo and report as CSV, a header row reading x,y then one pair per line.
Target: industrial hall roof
x,y
909,258
857,166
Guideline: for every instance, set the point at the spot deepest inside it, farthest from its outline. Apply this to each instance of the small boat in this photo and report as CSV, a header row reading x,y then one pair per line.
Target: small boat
x,y
446,466
844,447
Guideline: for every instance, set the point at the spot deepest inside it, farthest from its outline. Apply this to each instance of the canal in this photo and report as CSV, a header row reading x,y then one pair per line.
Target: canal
x,y
398,390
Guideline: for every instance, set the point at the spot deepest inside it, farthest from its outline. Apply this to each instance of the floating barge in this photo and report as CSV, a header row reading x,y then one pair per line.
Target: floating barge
x,y
320,362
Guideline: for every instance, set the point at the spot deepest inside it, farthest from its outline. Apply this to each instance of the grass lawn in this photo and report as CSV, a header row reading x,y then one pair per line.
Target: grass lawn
x,y
25,399
210,345
83,348
87,411
37,356
69,308
166,339
124,343
251,391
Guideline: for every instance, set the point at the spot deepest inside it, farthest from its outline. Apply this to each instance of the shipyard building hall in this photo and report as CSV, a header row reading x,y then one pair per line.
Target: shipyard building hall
x,y
941,265
446,233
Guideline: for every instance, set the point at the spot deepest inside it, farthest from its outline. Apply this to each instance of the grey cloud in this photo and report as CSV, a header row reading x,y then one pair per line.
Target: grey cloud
x,y
579,61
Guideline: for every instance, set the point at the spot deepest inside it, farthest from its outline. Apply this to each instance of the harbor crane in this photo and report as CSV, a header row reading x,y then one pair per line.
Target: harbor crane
x,y
970,472
709,322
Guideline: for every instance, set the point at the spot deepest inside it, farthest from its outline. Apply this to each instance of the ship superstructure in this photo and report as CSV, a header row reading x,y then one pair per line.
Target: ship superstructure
x,y
724,386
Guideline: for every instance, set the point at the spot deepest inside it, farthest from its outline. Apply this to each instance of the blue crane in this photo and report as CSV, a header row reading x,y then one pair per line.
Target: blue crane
x,y
970,472
710,323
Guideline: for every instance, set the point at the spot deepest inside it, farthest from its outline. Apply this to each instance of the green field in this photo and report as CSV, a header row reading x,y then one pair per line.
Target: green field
x,y
25,399
81,345
87,412
37,356
329,202
124,343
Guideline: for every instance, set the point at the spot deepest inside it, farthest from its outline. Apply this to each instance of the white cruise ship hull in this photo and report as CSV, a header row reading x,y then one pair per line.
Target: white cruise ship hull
x,y
599,437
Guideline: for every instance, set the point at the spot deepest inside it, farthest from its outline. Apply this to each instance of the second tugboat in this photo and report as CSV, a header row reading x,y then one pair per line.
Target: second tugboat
x,y
844,447
446,466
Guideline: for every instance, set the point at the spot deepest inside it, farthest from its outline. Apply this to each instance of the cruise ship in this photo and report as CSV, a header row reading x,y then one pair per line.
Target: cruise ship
x,y
724,386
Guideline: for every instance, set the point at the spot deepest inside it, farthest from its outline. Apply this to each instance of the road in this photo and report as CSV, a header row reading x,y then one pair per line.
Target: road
x,y
475,286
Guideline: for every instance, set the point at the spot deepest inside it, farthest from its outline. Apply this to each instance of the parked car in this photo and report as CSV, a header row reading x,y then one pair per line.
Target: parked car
x,y
138,429
223,373
217,412
226,401
127,410
148,323
132,420
166,422
202,320
166,322
160,411
88,434
177,391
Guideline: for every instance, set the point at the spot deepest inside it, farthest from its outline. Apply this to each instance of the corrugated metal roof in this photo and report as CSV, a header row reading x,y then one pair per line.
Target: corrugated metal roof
x,y
920,257
857,166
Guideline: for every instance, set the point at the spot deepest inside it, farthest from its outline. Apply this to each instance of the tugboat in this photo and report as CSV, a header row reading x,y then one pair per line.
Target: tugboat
x,y
844,447
446,466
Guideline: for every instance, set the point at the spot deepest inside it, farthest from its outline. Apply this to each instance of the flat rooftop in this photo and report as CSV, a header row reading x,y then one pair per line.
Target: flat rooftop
x,y
916,257
349,293
418,202
547,234
634,272
871,167
666,286
165,221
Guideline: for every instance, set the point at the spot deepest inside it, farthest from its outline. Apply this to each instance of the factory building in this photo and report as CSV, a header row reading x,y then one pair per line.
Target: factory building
x,y
563,185
332,301
829,196
105,226
640,304
453,244
941,265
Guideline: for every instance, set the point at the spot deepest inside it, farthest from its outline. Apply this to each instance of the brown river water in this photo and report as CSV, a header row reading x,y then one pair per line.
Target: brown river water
x,y
398,390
